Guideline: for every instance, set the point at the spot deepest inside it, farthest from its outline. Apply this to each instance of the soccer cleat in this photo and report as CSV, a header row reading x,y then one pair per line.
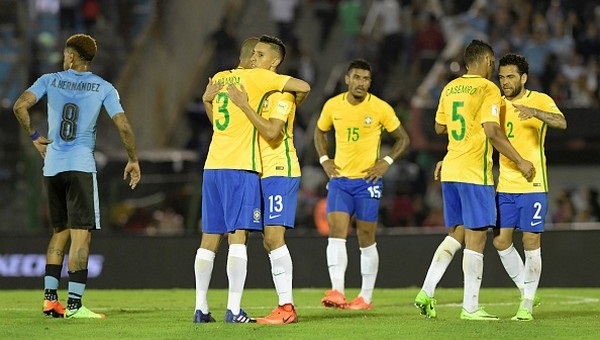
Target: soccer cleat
x,y
240,318
83,313
478,315
53,308
359,304
200,317
281,315
536,300
523,314
426,304
334,298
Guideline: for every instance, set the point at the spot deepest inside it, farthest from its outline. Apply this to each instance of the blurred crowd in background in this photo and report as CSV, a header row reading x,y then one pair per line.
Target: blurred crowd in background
x,y
415,47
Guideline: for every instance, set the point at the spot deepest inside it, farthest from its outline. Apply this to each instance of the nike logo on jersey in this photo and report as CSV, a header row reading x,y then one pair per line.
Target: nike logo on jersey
x,y
533,224
274,216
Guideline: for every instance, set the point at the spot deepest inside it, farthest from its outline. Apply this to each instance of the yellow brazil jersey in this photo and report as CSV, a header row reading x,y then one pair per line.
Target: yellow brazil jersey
x,y
234,143
357,131
279,157
465,104
527,136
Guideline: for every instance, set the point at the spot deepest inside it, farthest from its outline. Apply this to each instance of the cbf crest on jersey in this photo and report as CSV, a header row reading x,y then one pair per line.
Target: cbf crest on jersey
x,y
368,121
256,216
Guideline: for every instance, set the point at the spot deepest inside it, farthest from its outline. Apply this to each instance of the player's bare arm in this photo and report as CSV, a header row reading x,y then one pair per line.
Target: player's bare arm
x,y
401,143
132,168
553,120
400,146
441,129
437,171
322,145
500,142
271,129
299,86
21,110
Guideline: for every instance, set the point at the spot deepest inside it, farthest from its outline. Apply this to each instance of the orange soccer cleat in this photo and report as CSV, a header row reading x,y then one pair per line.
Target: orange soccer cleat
x,y
53,308
281,315
334,298
359,304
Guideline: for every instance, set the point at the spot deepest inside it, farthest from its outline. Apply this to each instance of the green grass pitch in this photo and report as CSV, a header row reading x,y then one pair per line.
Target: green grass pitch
x,y
565,313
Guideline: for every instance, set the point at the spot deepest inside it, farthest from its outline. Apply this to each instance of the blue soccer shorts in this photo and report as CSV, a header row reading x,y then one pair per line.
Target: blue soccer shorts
x,y
355,197
280,198
470,205
230,201
526,212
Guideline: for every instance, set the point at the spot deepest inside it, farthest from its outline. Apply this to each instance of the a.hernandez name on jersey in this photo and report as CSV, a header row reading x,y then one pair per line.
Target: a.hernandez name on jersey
x,y
74,103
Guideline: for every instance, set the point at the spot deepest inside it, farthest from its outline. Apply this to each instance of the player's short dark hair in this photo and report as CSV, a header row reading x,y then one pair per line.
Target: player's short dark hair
x,y
84,45
248,48
476,50
275,43
517,60
360,64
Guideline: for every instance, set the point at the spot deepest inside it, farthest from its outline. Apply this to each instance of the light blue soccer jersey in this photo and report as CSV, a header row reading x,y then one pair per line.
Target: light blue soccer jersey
x,y
74,103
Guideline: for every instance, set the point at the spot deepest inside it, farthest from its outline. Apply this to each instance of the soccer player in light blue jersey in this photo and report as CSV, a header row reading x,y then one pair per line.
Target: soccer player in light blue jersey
x,y
75,97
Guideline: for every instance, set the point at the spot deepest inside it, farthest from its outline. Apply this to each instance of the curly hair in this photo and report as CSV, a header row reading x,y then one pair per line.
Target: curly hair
x,y
84,45
517,60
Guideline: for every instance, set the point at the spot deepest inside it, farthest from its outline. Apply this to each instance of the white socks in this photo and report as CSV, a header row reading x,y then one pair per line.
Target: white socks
x,y
441,260
532,273
237,268
282,272
369,265
337,261
203,266
526,276
473,273
512,262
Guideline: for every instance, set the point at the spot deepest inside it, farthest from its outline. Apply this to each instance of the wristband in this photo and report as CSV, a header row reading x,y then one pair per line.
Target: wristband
x,y
388,159
323,159
35,136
